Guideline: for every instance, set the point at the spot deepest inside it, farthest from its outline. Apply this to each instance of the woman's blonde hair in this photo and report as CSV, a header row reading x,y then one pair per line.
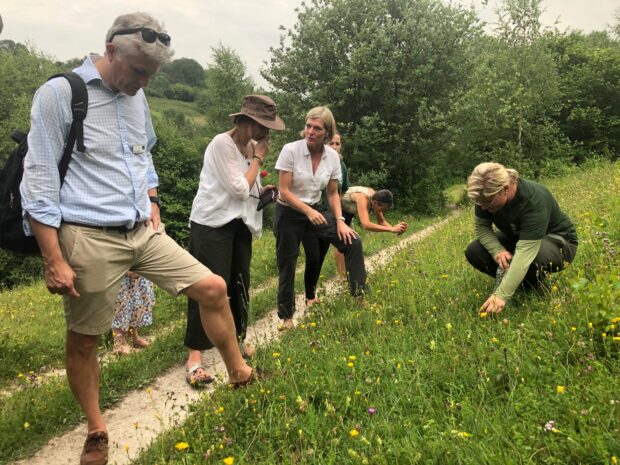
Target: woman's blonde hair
x,y
325,115
487,180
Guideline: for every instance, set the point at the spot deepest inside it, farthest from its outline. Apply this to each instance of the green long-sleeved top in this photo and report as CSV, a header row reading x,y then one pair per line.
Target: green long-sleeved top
x,y
532,214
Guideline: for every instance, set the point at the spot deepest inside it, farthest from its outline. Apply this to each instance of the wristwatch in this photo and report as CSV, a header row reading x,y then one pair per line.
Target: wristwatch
x,y
155,199
341,218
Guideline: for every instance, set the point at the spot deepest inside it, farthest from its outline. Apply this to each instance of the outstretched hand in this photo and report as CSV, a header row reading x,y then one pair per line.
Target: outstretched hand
x,y
400,228
493,304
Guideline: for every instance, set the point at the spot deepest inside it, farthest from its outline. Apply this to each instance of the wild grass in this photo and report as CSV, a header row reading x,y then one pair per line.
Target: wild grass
x,y
36,406
158,107
418,376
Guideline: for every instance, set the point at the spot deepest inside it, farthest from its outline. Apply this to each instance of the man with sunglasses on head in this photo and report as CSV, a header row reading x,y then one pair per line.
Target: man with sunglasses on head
x,y
103,220
533,236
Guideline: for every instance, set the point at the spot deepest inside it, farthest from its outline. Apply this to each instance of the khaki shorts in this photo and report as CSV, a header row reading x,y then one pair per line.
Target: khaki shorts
x,y
101,258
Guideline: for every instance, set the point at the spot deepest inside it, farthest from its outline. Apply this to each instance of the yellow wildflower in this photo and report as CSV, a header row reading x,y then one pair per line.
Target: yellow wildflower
x,y
353,433
494,340
572,328
229,460
352,358
181,445
483,314
26,425
275,354
560,389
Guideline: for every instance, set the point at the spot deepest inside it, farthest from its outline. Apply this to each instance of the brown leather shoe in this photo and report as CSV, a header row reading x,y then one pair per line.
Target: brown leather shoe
x,y
95,450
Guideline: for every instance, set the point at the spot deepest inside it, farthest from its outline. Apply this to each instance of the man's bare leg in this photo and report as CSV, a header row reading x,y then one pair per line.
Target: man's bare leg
x,y
218,324
83,376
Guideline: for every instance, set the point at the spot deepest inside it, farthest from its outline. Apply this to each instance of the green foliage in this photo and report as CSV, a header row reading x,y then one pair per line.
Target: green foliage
x,y
510,110
389,71
417,376
227,84
178,161
590,70
22,71
185,71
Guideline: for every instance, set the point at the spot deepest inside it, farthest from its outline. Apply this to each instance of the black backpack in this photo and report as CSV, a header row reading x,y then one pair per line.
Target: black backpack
x,y
12,236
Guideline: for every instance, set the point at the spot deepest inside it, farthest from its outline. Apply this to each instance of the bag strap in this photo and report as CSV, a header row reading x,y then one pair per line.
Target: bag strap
x,y
79,107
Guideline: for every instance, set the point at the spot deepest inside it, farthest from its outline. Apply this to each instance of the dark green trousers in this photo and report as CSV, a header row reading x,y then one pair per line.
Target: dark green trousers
x,y
554,254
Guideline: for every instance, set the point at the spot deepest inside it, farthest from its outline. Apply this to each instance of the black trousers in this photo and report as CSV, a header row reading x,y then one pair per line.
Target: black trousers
x,y
291,226
227,251
315,249
555,252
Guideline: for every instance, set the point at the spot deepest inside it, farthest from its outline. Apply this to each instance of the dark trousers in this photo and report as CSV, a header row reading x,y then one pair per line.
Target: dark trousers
x,y
227,251
315,249
555,252
290,227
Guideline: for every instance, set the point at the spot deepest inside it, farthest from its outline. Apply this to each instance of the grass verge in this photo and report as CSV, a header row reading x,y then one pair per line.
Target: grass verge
x,y
417,376
32,334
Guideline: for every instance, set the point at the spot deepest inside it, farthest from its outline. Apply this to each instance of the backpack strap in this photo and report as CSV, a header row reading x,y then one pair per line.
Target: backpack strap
x,y
79,107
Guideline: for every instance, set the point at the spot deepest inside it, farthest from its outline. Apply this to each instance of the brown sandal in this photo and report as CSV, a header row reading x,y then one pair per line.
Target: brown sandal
x,y
195,380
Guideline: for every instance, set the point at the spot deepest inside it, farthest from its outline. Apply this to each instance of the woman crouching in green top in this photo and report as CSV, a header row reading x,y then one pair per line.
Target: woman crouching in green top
x,y
533,236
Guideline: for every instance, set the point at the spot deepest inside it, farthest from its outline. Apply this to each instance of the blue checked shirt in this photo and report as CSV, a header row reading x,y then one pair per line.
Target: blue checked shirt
x,y
108,184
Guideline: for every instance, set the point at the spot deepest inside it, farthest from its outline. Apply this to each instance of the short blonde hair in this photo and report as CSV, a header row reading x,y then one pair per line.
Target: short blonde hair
x,y
327,117
488,179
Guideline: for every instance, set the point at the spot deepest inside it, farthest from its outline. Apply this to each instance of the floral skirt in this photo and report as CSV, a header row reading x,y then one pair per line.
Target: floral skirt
x,y
134,304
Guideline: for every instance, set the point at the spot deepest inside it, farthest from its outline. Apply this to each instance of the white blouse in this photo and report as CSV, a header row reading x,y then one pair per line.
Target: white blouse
x,y
223,192
295,158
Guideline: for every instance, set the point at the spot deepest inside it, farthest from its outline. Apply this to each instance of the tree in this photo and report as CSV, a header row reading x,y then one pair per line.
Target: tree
x,y
185,71
22,71
226,85
390,70
590,72
510,109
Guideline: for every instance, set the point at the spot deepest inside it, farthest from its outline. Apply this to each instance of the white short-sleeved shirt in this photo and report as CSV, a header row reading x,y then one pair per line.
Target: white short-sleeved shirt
x,y
295,158
223,192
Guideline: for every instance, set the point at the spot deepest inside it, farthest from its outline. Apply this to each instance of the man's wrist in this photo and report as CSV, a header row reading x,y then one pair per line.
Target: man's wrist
x,y
341,218
155,199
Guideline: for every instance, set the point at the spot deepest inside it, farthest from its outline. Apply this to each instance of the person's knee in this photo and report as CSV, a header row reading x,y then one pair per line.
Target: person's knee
x,y
210,289
81,345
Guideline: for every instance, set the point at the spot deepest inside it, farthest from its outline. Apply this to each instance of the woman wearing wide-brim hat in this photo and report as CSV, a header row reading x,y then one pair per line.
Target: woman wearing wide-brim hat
x,y
224,218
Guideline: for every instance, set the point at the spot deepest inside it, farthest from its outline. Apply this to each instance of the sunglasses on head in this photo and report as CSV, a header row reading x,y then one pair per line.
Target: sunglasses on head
x,y
148,35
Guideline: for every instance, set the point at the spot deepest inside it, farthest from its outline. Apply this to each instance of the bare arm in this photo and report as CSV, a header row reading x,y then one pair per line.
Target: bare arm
x,y
59,276
155,213
361,201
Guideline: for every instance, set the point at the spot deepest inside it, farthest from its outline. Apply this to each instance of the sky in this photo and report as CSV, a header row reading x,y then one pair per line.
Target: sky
x,y
65,29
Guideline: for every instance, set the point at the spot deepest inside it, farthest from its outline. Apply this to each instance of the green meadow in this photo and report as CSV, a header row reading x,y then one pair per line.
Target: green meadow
x,y
419,376
414,376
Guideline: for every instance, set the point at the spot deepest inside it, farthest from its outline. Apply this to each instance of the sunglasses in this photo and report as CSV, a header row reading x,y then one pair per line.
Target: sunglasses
x,y
148,35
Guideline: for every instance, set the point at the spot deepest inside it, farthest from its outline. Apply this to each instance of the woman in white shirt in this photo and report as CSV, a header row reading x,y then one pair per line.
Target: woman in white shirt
x,y
224,219
306,167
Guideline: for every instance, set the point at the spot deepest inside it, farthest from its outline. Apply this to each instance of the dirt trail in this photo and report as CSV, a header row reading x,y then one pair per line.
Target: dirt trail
x,y
142,415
